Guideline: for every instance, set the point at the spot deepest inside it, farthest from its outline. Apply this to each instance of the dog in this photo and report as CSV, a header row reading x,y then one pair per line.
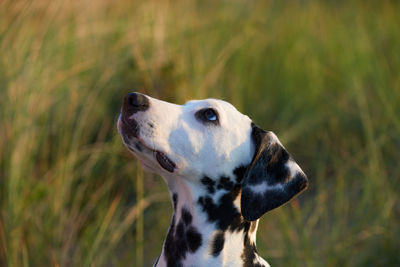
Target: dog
x,y
223,173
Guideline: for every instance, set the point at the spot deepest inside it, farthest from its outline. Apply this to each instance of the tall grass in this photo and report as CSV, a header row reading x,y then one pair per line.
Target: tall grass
x,y
324,75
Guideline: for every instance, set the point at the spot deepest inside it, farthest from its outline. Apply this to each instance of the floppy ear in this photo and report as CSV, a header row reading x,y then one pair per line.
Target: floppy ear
x,y
272,178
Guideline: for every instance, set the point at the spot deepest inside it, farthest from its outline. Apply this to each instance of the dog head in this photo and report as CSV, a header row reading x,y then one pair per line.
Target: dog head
x,y
206,137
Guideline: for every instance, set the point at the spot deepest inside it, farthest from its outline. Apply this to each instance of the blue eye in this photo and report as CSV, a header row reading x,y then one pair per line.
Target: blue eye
x,y
210,115
207,116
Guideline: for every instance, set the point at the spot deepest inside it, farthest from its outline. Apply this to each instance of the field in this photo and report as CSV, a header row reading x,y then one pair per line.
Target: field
x,y
323,75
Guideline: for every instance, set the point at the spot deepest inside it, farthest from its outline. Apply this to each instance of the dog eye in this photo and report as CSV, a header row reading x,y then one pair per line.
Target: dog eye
x,y
210,115
207,115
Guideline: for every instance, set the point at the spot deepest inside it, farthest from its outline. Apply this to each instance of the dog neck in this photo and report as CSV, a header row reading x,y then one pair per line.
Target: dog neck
x,y
207,228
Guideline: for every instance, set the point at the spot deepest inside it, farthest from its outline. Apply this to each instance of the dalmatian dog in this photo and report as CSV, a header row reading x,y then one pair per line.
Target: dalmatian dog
x,y
223,173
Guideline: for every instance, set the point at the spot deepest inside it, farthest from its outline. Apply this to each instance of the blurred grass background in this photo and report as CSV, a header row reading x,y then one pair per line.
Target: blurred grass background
x,y
323,75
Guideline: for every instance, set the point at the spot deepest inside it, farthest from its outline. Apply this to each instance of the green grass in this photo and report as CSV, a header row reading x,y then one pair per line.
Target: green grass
x,y
323,75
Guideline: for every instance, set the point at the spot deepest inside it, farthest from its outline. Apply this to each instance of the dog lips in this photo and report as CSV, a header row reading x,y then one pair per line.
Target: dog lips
x,y
164,161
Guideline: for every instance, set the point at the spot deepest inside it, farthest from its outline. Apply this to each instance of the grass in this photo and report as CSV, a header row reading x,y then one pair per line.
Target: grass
x,y
323,75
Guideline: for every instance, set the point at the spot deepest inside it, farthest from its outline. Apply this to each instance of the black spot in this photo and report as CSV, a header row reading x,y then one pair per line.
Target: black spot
x,y
236,191
150,124
209,184
225,183
249,253
224,213
239,224
186,216
218,244
239,173
181,239
172,254
180,230
175,200
193,238
138,147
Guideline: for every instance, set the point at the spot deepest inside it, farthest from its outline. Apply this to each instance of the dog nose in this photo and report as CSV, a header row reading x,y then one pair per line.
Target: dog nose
x,y
135,102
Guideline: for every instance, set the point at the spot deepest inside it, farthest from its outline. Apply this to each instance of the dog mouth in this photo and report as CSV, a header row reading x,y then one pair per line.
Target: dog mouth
x,y
127,132
164,161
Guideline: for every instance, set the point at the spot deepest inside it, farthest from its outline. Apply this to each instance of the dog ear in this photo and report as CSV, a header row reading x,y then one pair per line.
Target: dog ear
x,y
272,178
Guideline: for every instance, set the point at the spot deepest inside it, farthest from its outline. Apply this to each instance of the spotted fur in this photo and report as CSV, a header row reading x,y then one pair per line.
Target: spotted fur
x,y
223,173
